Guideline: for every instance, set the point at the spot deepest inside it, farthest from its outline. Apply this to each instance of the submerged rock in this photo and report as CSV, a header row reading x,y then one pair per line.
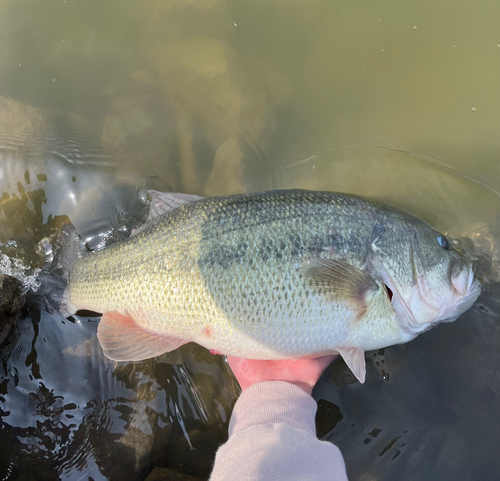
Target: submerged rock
x,y
11,301
11,297
222,114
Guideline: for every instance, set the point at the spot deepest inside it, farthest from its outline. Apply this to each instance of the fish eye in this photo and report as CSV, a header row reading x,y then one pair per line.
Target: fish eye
x,y
443,242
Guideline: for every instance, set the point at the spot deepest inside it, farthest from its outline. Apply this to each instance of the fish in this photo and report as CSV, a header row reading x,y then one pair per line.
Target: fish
x,y
288,274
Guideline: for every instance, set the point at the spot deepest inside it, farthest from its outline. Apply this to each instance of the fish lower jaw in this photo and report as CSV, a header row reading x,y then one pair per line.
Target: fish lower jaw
x,y
464,304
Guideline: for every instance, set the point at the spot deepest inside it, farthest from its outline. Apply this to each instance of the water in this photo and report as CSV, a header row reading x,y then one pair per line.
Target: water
x,y
99,99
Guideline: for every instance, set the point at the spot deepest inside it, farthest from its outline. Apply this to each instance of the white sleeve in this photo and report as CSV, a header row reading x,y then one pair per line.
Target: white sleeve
x,y
272,436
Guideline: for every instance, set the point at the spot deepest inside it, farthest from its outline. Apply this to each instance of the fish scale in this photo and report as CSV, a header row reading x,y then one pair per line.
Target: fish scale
x,y
234,274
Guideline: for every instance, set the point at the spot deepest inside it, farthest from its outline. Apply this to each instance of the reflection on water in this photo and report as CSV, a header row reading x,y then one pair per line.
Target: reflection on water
x,y
68,410
99,99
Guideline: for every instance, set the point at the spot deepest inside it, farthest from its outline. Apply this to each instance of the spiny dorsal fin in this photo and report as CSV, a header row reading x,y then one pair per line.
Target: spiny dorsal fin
x,y
341,281
163,202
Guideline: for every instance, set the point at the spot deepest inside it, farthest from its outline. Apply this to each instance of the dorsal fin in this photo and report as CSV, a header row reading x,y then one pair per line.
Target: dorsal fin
x,y
163,202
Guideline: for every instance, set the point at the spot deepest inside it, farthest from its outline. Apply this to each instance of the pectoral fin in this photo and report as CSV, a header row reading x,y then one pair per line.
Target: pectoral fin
x,y
355,360
122,339
341,281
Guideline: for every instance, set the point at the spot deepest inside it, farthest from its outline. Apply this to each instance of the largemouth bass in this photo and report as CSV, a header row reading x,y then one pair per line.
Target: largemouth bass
x,y
273,275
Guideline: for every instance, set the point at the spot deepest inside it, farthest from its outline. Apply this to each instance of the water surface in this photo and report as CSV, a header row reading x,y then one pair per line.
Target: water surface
x,y
100,99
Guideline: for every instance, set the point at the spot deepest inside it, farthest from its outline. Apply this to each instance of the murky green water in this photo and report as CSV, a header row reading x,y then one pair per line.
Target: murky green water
x,y
395,101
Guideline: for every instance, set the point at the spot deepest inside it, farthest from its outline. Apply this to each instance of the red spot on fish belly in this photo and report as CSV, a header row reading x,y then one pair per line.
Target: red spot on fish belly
x,y
215,352
207,330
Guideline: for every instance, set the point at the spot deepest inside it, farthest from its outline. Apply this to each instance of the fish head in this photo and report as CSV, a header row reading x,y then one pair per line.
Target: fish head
x,y
430,279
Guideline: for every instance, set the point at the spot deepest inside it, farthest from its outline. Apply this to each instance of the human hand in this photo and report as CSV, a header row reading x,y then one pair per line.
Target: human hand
x,y
304,373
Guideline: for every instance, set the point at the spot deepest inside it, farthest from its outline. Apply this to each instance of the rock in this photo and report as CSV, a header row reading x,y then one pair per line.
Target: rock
x,y
11,301
11,298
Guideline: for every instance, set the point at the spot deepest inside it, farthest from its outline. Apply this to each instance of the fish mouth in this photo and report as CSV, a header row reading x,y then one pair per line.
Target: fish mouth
x,y
468,298
417,309
429,314
448,306
461,280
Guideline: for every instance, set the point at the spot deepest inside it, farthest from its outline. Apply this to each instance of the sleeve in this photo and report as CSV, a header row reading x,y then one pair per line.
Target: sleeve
x,y
272,436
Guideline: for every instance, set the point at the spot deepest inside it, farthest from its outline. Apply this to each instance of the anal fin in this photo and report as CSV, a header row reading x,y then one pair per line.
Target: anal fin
x,y
122,339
